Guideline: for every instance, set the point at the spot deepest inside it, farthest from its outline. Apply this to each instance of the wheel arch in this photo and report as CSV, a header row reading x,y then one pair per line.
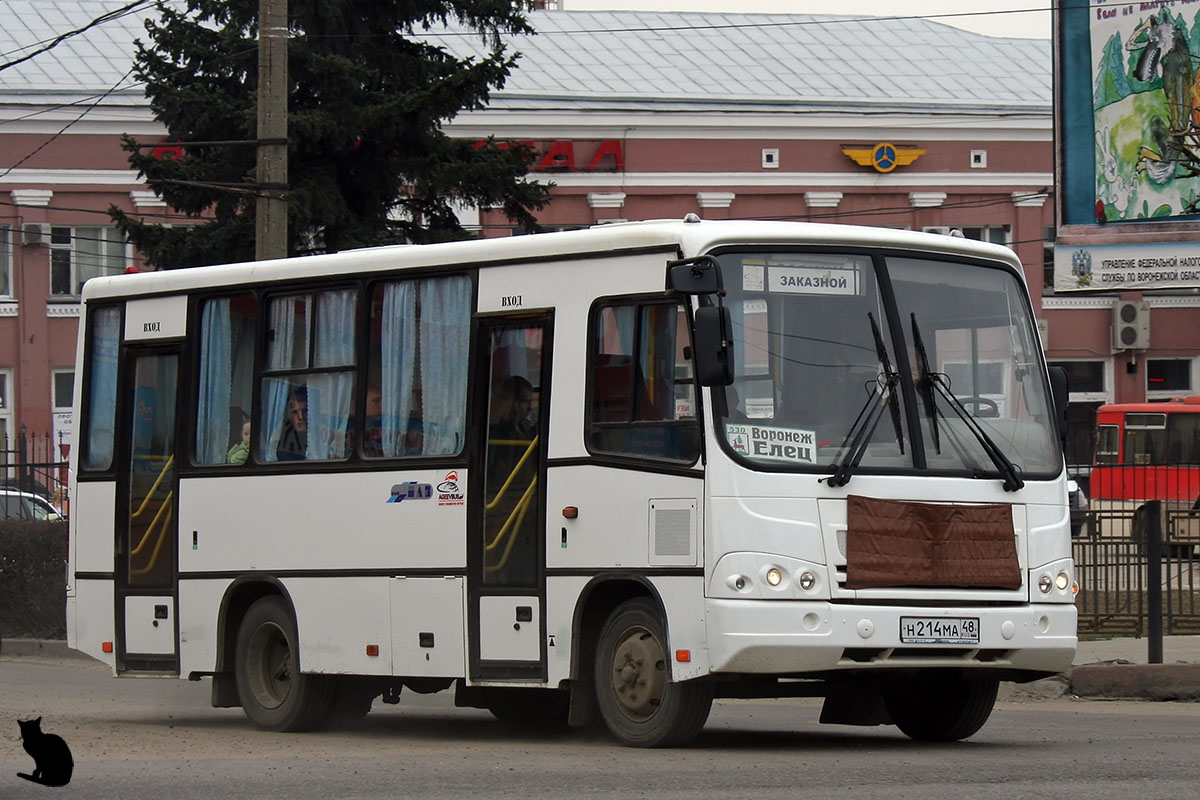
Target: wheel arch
x,y
599,597
244,592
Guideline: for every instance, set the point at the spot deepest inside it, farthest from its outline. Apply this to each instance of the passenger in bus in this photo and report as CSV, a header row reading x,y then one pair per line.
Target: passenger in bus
x,y
241,451
293,443
512,404
373,430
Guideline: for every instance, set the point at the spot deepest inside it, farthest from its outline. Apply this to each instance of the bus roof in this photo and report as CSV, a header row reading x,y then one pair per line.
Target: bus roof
x,y
690,237
1177,404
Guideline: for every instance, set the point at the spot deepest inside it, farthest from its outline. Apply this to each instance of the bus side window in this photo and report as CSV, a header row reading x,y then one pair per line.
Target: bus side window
x,y
642,395
99,427
226,378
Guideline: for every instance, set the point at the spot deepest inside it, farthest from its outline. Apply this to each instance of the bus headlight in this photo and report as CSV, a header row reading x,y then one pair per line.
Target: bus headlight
x,y
1062,581
1045,584
807,580
774,576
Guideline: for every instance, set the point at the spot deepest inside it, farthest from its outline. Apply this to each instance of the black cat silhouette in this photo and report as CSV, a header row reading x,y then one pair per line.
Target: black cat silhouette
x,y
51,756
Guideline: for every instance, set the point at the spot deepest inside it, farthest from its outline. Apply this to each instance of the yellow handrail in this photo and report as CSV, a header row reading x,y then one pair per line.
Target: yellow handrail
x,y
166,505
162,537
153,488
525,457
521,506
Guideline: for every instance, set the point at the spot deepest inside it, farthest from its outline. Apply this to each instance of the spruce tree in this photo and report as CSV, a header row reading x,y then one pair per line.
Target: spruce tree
x,y
367,160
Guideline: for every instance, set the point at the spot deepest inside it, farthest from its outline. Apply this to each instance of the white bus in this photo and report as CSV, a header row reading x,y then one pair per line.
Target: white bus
x,y
600,475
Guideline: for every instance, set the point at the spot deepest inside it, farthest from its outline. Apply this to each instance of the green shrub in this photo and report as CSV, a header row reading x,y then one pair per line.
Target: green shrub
x,y
33,579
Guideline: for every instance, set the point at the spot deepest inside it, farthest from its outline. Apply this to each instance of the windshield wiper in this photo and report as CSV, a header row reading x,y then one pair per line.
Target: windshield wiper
x,y
859,436
939,382
925,385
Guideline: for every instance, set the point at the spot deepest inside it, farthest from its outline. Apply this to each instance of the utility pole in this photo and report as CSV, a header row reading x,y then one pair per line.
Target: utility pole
x,y
271,222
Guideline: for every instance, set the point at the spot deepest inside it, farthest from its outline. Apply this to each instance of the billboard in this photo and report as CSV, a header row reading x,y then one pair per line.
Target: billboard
x,y
1129,145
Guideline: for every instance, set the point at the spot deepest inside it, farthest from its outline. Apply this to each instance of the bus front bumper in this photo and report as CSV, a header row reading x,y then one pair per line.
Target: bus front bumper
x,y
773,637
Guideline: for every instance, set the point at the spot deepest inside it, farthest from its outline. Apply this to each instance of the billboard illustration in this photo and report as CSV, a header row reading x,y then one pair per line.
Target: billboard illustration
x,y
1146,106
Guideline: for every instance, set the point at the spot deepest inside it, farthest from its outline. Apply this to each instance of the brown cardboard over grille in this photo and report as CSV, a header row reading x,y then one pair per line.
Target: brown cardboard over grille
x,y
893,543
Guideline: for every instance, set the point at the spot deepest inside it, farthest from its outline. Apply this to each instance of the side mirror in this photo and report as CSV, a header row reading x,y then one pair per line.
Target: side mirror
x,y
712,353
695,276
1060,392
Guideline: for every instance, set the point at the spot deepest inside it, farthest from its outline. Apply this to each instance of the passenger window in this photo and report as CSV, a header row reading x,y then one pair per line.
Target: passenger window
x,y
416,396
308,384
100,425
641,388
226,379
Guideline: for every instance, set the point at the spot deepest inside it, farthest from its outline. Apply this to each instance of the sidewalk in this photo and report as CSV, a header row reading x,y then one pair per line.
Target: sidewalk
x,y
1104,669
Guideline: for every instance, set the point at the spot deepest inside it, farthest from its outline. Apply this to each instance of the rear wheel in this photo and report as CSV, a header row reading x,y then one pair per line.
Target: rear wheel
x,y
941,709
640,704
274,695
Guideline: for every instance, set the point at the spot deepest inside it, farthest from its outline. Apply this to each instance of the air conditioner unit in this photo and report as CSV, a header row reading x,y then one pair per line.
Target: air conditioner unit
x,y
32,233
1131,325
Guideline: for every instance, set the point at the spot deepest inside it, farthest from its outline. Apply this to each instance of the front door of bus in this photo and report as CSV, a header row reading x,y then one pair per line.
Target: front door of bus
x,y
506,558
147,536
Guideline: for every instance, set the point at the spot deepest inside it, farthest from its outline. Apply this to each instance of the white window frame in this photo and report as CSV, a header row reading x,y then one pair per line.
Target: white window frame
x,y
6,405
1167,394
1105,396
72,249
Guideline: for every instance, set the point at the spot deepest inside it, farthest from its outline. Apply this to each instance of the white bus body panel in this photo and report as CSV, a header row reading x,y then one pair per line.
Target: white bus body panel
x,y
92,621
150,625
156,318
92,520
328,521
428,634
199,610
503,634
336,618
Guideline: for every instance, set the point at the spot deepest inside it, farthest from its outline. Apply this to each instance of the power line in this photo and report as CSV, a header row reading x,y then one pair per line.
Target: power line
x,y
56,41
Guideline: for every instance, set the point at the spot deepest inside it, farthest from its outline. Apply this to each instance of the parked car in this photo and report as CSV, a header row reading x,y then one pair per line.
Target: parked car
x,y
1078,502
24,505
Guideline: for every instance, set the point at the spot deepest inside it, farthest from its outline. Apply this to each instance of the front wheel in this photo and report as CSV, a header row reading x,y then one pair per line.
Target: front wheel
x,y
274,694
941,709
640,704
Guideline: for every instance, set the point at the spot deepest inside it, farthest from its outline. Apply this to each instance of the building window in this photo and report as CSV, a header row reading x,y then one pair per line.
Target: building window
x,y
996,234
82,252
1048,257
5,412
6,248
1169,377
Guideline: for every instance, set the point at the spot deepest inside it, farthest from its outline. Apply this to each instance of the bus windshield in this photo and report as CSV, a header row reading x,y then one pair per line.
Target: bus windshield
x,y
837,354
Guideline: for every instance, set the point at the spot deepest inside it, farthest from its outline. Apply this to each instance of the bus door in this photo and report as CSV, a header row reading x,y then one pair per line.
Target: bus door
x,y
506,561
147,499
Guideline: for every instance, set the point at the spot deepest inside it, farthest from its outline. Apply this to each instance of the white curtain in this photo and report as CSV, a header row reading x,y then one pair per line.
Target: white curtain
x,y
330,394
445,344
216,372
279,356
398,333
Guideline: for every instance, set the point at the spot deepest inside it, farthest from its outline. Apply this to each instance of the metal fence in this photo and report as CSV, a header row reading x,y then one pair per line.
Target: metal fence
x,y
1138,560
33,477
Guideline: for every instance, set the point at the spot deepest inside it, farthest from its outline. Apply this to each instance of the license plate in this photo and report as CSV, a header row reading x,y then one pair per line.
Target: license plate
x,y
939,630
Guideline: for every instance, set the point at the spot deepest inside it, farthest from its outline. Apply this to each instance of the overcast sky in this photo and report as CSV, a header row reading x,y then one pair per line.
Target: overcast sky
x,y
992,17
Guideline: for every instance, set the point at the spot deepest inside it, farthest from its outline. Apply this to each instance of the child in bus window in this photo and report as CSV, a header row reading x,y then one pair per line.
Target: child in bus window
x,y
293,443
241,451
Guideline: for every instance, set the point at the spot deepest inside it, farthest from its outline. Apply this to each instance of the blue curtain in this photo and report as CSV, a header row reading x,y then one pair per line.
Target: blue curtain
x,y
279,356
216,371
330,394
102,399
398,333
445,343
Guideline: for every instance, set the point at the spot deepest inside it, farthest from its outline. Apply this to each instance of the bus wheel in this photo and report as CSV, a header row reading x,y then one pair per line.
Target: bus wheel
x,y
639,703
939,709
274,695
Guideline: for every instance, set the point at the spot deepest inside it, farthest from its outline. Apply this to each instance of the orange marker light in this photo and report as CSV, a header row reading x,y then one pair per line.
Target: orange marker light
x,y
570,512
106,647
683,656
372,649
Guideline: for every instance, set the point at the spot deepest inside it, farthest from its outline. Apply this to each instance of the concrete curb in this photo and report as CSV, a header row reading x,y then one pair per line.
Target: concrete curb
x,y
1118,680
39,648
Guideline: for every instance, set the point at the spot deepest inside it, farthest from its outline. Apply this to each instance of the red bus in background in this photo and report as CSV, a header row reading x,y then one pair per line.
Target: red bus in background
x,y
1147,451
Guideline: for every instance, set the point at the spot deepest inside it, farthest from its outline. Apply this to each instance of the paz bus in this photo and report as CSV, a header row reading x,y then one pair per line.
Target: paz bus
x,y
1147,451
592,476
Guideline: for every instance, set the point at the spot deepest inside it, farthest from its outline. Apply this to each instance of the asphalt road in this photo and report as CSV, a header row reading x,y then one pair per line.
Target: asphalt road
x,y
160,739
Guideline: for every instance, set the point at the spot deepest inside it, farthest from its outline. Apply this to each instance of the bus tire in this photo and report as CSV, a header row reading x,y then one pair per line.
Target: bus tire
x,y
941,709
274,695
639,703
